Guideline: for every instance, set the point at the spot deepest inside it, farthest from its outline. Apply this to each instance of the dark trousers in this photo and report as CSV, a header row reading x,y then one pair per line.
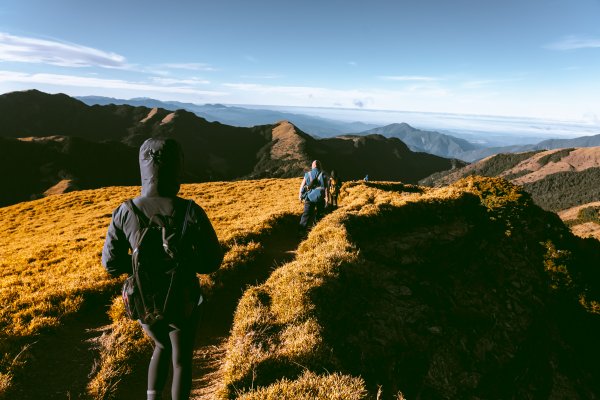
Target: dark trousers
x,y
312,213
173,346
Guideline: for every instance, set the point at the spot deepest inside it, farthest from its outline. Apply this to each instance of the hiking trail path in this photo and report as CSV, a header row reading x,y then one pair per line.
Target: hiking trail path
x,y
60,363
279,247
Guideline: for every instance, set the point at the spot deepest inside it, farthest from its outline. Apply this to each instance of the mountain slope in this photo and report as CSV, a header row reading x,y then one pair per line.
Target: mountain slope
x,y
240,116
426,141
98,145
467,291
557,179
454,293
549,144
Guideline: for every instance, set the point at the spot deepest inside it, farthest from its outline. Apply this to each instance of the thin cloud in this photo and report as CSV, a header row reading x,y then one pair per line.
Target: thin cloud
x,y
190,66
262,77
486,83
91,82
174,81
574,43
409,78
478,84
41,51
373,98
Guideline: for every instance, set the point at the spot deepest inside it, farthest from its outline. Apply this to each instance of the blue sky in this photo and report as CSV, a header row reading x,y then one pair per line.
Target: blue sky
x,y
513,58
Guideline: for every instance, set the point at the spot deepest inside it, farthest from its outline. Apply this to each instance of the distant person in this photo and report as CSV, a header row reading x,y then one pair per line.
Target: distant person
x,y
172,323
313,191
366,178
334,184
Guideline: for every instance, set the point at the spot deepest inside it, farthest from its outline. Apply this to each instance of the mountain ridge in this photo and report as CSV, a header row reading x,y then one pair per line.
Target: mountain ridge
x,y
240,116
420,140
103,142
427,141
557,179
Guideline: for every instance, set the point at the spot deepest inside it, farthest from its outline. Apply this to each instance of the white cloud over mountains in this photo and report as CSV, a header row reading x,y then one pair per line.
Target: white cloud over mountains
x,y
33,50
60,80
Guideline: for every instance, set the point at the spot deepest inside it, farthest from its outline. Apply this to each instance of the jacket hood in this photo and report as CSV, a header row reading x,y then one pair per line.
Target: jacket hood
x,y
161,161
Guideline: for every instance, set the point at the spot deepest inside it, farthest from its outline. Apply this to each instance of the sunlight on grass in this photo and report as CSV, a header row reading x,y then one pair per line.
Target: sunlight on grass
x,y
50,255
345,308
333,322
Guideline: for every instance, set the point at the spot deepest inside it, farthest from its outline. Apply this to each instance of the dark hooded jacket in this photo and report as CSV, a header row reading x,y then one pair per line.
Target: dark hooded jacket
x,y
161,162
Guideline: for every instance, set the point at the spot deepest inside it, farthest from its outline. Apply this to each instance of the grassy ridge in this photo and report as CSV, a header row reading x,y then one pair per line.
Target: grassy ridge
x,y
457,292
50,259
440,294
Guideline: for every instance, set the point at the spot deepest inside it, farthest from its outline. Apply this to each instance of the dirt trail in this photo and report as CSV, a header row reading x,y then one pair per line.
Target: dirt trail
x,y
59,362
279,247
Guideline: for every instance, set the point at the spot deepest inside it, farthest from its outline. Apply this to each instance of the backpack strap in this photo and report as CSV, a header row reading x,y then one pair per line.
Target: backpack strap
x,y
140,217
310,180
321,179
186,217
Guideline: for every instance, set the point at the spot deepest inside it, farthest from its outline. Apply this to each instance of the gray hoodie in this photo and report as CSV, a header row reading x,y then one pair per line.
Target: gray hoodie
x,y
161,162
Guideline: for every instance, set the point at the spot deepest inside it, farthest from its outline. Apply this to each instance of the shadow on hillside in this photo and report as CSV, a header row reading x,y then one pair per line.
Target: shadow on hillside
x,y
443,304
60,361
279,248
394,187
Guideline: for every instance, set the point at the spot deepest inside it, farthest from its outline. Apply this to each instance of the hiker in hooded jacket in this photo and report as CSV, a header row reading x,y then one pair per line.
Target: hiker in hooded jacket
x,y
165,294
313,191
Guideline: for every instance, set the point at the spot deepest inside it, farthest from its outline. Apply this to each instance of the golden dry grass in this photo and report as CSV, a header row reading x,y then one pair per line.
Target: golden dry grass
x,y
278,342
50,257
276,332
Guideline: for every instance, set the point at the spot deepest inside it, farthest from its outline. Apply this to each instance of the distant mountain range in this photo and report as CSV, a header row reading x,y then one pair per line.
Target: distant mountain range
x,y
426,141
55,142
549,144
240,116
418,140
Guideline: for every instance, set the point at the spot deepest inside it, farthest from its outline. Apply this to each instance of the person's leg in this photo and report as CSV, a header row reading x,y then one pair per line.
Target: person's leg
x,y
182,341
305,215
318,211
158,368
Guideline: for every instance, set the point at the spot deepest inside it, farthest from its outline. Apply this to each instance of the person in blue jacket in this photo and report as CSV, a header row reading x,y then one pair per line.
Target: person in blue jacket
x,y
313,191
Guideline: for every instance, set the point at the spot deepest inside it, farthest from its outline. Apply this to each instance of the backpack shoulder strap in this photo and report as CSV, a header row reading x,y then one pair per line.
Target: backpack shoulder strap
x,y
141,219
321,179
186,217
307,179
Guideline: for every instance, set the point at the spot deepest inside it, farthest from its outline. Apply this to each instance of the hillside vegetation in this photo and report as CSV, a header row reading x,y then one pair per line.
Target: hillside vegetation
x,y
465,291
469,291
557,179
50,264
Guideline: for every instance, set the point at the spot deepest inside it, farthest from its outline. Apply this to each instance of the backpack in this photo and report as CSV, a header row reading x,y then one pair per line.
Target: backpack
x,y
153,291
314,189
334,186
